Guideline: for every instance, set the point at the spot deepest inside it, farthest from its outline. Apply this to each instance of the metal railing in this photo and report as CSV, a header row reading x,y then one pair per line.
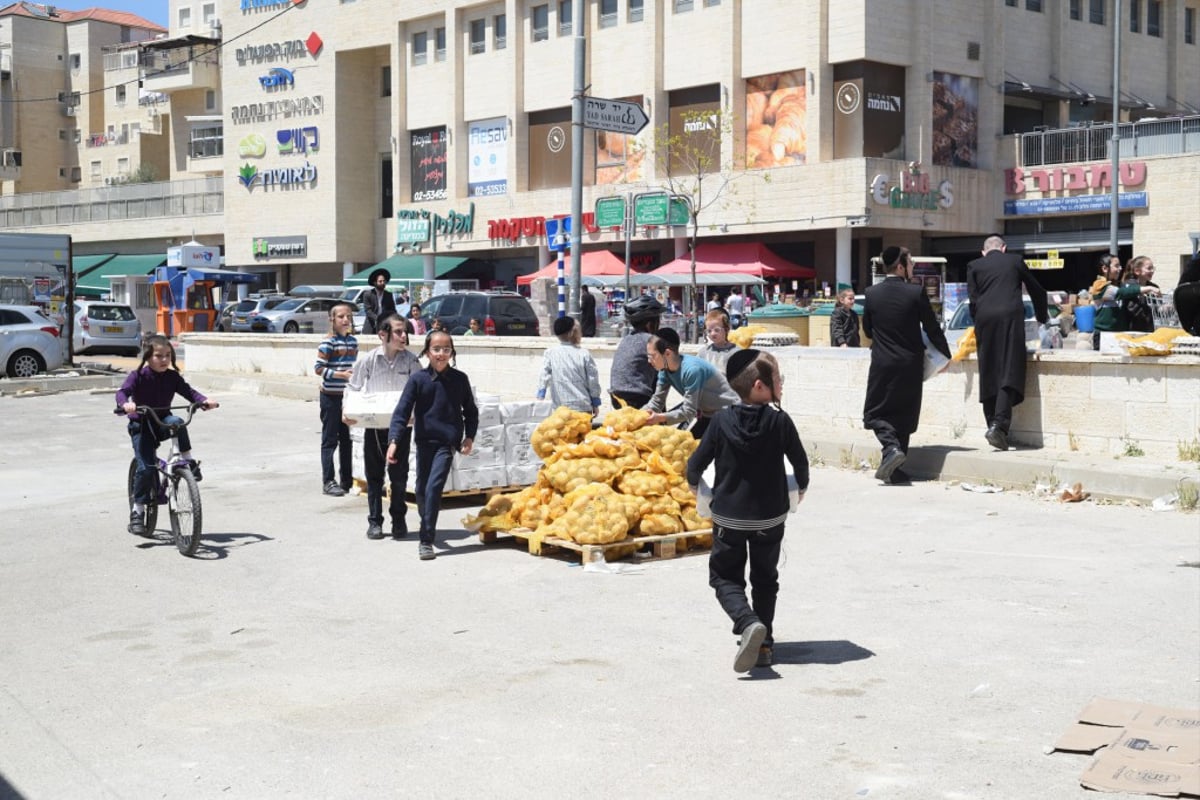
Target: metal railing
x,y
185,198
1150,137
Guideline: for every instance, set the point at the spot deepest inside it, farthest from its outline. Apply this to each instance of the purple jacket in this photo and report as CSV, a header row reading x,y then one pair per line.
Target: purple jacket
x,y
155,389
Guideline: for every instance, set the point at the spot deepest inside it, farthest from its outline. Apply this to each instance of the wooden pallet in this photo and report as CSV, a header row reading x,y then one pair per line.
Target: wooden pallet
x,y
661,546
487,492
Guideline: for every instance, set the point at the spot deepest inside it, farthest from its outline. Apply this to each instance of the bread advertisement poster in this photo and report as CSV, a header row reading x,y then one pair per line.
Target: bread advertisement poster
x,y
955,120
776,112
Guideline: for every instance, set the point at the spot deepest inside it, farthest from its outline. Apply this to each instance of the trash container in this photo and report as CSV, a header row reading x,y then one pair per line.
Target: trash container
x,y
818,325
783,318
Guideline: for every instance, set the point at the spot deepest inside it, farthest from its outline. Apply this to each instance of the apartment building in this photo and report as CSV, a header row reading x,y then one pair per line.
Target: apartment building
x,y
337,134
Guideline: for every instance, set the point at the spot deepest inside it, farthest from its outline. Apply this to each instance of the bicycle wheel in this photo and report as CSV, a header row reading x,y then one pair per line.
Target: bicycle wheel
x,y
183,502
151,518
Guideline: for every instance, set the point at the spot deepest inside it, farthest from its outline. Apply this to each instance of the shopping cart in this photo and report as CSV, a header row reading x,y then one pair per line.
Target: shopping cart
x,y
1163,308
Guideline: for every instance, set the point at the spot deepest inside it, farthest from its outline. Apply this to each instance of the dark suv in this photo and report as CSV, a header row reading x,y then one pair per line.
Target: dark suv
x,y
499,313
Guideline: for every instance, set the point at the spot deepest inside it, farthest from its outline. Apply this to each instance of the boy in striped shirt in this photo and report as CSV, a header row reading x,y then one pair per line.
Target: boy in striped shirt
x,y
335,361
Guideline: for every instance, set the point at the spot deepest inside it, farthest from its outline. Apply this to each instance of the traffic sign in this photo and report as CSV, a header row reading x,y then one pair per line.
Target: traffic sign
x,y
610,212
651,209
558,233
618,116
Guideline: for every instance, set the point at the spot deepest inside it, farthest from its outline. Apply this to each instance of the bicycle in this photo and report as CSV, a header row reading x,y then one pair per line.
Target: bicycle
x,y
174,485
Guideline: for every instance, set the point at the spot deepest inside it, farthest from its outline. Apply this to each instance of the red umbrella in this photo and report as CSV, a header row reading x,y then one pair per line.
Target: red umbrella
x,y
596,262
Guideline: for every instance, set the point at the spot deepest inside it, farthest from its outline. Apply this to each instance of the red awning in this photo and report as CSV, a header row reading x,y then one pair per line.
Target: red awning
x,y
596,262
749,258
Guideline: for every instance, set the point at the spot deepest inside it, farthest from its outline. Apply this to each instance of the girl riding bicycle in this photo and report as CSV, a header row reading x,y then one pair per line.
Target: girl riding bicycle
x,y
155,383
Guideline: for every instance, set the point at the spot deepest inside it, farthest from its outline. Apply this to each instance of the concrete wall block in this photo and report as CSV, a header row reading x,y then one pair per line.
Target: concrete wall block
x,y
1133,381
1086,416
1165,423
1059,380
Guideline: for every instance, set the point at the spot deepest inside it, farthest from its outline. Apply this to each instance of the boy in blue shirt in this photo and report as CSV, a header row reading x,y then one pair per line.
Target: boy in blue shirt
x,y
335,361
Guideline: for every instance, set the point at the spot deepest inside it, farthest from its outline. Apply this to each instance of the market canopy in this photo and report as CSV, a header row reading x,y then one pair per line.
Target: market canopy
x,y
405,268
740,258
96,282
593,263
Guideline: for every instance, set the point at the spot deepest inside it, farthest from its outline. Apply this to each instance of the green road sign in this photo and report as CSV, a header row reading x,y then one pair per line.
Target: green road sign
x,y
610,212
679,211
650,209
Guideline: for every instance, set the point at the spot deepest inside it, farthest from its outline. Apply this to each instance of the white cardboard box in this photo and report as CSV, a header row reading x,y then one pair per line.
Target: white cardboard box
x,y
469,480
490,438
490,415
480,458
526,411
522,475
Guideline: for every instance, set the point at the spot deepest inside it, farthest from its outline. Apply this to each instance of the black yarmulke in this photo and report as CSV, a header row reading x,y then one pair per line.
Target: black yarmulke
x,y
891,256
739,361
563,325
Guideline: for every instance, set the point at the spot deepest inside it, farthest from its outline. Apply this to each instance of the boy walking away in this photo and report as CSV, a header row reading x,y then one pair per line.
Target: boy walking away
x,y
843,323
446,421
386,369
335,360
748,442
569,371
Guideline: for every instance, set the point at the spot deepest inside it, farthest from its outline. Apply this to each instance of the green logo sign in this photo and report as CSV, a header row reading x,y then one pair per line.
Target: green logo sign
x,y
610,212
650,209
411,231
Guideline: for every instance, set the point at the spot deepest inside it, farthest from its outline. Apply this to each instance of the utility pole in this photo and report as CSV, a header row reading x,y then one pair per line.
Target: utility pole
x,y
1114,216
577,22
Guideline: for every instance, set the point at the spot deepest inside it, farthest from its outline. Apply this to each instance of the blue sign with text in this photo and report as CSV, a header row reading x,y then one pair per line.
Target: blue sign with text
x,y
1073,205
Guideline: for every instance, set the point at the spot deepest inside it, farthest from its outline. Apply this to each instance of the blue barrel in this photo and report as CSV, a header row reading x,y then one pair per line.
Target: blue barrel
x,y
1085,318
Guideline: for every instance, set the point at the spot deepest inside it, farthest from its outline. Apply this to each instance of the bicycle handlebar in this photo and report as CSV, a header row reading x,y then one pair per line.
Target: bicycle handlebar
x,y
147,410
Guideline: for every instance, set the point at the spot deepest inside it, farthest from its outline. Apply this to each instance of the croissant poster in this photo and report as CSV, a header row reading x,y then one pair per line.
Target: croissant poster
x,y
955,120
427,154
776,113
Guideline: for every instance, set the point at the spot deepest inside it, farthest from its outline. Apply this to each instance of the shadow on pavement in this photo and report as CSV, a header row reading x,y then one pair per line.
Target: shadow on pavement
x,y
8,791
211,548
830,652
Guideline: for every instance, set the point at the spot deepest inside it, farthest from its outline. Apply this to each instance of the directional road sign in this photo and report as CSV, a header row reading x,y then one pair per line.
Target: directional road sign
x,y
618,116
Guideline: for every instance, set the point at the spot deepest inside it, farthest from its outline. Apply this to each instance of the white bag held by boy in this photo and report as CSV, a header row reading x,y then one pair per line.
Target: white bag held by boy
x,y
704,491
369,409
935,362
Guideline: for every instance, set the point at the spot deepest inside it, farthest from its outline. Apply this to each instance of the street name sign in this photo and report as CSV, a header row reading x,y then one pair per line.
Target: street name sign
x,y
610,212
618,116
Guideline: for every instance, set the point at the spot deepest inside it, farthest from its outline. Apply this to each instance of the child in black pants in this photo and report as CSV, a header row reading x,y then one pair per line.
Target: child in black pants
x,y
749,441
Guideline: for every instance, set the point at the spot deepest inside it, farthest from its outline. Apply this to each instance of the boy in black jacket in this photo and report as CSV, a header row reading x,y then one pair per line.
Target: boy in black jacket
x,y
748,441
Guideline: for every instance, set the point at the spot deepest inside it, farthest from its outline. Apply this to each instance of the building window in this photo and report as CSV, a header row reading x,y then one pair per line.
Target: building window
x,y
686,5
185,18
208,12
62,134
1076,9
95,169
1154,18
500,31
636,10
76,135
76,61
1189,26
119,90
1096,11
210,100
564,17
478,36
608,13
1010,3
207,142
76,174
420,47
385,80
541,23
1033,5
439,48
1135,15
122,166
711,3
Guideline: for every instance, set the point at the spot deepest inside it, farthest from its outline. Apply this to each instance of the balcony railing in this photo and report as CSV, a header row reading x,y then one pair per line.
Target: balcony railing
x,y
196,196
1151,137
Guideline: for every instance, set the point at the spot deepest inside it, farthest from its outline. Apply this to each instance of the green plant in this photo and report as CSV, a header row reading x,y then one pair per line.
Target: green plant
x,y
814,457
1189,451
1189,495
846,458
1133,449
873,460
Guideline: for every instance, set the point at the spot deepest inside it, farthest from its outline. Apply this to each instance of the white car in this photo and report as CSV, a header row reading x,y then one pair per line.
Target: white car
x,y
962,320
29,342
107,326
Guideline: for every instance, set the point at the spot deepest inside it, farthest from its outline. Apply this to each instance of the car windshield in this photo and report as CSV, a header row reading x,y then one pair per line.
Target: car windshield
x,y
291,305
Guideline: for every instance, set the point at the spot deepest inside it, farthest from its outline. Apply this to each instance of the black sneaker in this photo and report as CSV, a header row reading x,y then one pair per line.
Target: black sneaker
x,y
333,490
194,466
766,656
374,531
137,523
900,478
996,438
747,654
425,553
892,459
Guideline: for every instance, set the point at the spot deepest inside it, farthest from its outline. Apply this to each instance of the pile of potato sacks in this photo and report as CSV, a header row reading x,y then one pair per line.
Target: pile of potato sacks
x,y
602,486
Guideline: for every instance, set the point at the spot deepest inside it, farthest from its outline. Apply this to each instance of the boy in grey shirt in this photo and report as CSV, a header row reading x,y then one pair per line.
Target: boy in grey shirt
x,y
569,371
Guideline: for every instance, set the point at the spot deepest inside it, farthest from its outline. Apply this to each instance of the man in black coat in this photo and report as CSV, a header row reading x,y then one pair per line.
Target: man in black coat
x,y
378,302
894,314
994,291
587,312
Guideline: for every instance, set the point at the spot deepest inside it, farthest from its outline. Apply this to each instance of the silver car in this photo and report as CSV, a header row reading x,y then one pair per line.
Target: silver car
x,y
291,316
961,320
108,327
29,342
246,310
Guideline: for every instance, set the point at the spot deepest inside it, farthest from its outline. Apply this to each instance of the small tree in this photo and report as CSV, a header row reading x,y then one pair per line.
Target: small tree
x,y
145,173
689,164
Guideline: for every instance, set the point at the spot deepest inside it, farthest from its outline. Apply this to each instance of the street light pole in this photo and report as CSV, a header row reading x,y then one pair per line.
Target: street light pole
x,y
1115,144
577,23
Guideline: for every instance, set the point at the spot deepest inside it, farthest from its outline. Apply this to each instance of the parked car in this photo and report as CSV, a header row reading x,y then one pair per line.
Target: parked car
x,y
246,309
290,315
225,317
961,320
106,327
499,313
316,290
29,342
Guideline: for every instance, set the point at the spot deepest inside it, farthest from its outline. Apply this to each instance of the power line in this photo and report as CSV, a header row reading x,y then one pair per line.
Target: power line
x,y
138,80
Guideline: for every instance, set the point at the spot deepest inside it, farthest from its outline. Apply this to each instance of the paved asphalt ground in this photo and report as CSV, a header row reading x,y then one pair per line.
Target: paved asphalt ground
x,y
932,641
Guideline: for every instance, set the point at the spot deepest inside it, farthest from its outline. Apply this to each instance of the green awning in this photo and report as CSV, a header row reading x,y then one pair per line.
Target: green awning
x,y
96,281
406,268
82,265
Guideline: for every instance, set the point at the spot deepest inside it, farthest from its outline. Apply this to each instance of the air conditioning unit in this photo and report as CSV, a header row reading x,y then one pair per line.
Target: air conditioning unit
x,y
11,158
70,111
108,181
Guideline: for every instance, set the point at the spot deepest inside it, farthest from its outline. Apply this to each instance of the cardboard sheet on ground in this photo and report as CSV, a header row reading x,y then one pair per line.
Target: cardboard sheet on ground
x,y
1139,748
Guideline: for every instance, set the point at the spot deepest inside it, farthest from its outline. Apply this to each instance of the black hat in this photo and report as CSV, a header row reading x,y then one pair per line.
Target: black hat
x,y
670,336
891,256
563,325
387,276
739,361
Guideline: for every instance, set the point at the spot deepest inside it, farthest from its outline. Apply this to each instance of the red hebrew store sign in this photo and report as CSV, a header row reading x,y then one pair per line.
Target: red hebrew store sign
x,y
1095,176
516,228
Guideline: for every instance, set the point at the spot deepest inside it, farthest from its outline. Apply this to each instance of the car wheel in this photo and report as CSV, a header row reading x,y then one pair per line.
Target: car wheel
x,y
25,364
291,327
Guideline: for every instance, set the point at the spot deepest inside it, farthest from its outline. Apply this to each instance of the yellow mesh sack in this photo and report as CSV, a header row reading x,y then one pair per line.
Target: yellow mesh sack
x,y
564,426
625,419
966,345
1150,344
594,515
568,474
